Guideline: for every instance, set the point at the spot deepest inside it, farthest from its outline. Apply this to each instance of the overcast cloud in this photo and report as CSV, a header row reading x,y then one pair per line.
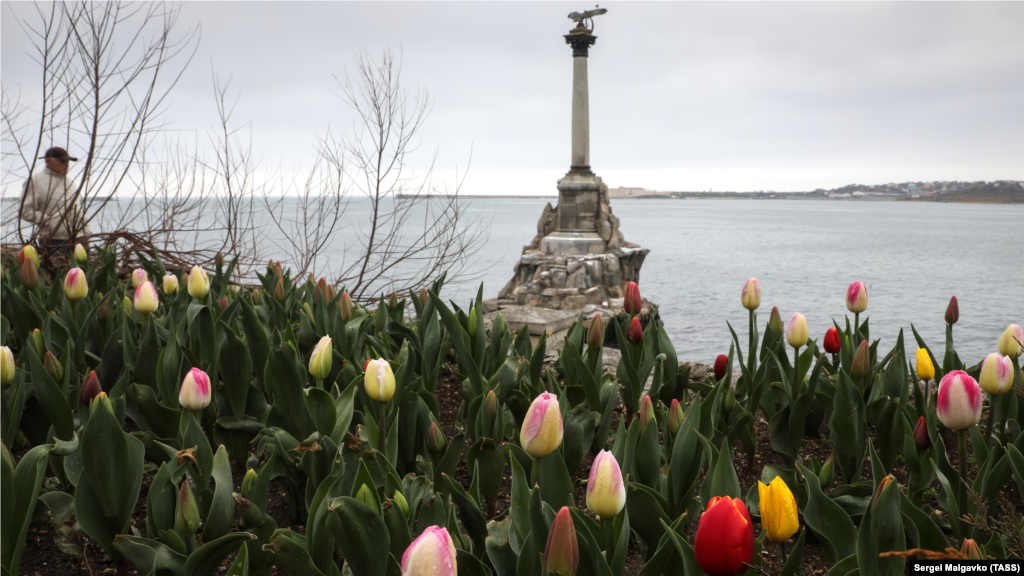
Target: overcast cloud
x,y
684,96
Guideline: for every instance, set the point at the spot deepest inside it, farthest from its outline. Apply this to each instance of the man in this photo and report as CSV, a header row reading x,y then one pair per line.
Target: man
x,y
49,202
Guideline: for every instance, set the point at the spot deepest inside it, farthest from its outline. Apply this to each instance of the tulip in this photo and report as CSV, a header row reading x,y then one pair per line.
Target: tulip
x,y
345,305
724,543
37,340
541,432
320,360
29,275
186,514
279,290
631,302
170,284
423,297
996,374
80,256
379,380
472,322
952,311
492,405
53,367
435,438
102,312
223,302
138,277
75,285
721,364
971,550
675,416
861,365
925,368
198,282
431,554
606,492
366,496
248,481
146,298
1010,342
401,502
321,290
796,333
562,553
775,320
831,343
828,472
218,261
879,489
646,413
959,401
857,297
103,400
778,510
90,389
7,366
195,390
28,253
595,334
921,439
127,306
635,334
394,299
751,297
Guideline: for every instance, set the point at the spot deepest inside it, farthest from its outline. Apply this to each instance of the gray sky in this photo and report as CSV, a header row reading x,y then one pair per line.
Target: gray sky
x,y
684,96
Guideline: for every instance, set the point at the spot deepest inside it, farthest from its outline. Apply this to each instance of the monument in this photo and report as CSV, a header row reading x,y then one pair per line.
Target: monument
x,y
579,256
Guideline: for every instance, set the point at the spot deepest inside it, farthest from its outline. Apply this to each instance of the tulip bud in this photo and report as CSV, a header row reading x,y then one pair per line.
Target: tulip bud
x,y
431,554
646,413
90,389
248,481
606,492
53,367
878,490
778,510
959,401
423,296
925,369
724,526
1010,342
138,277
832,344
751,297
379,380
102,312
146,298
329,293
861,361
562,554
170,284
101,399
345,306
279,290
127,306
952,311
37,340
721,364
828,472
219,260
857,297
541,432
320,359
75,285
921,439
28,253
256,295
971,550
7,366
796,334
435,438
393,301
270,266
635,334
186,514
80,255
492,405
996,376
675,416
595,334
775,320
730,399
631,302
29,275
198,282
195,390
400,501
366,496
223,302
320,291
472,321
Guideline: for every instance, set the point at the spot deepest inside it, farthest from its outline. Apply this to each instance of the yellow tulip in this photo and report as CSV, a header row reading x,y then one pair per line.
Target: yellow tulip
x,y
778,510
925,369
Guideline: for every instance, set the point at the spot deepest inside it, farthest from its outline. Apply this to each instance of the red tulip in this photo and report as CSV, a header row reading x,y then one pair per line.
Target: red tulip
x,y
721,363
952,311
223,302
635,334
632,300
561,554
921,439
724,543
832,345
90,389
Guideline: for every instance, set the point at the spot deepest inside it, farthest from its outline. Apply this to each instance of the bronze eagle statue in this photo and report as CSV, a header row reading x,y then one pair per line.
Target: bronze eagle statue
x,y
582,18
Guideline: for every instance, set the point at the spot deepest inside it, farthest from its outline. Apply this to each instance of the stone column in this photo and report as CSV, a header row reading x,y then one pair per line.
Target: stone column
x,y
581,41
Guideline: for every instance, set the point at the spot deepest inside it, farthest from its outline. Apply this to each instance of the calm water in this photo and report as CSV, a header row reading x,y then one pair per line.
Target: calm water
x,y
912,257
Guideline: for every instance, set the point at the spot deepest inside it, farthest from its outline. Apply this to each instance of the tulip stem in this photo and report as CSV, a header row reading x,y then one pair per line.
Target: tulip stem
x,y
320,383
991,417
752,353
383,431
535,472
961,437
785,555
608,531
796,374
856,328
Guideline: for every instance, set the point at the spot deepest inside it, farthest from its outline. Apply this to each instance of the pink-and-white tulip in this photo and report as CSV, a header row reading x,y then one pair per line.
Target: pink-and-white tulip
x,y
857,297
606,493
75,285
432,554
996,376
751,297
146,298
198,282
796,333
138,277
378,380
1010,341
542,428
320,359
170,284
195,390
959,401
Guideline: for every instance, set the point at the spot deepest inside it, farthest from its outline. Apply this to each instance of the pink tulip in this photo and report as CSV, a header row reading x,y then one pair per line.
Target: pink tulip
x,y
1010,343
959,401
796,333
432,554
138,277
195,390
542,428
631,303
606,493
75,285
146,298
996,376
857,297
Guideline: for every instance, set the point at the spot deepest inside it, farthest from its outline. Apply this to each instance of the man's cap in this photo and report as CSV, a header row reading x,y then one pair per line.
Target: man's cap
x,y
58,153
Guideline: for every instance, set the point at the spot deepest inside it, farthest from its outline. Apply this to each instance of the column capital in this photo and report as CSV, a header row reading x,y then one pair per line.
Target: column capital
x,y
581,40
